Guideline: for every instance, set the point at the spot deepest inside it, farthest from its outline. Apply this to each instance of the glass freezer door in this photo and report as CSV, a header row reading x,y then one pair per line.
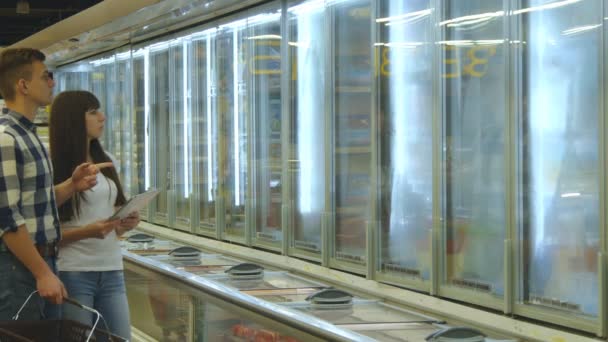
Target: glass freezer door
x,y
111,105
405,117
559,156
264,69
158,128
100,74
140,180
181,134
124,115
205,162
474,115
307,141
351,129
231,99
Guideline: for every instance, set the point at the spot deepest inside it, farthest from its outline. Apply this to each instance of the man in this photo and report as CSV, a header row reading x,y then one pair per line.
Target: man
x,y
29,224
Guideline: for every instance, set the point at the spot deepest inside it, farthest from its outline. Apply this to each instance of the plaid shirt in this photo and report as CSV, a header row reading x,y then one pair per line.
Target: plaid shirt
x,y
27,195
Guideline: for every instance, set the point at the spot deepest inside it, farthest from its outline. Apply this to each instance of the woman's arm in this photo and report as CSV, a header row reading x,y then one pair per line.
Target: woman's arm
x,y
97,230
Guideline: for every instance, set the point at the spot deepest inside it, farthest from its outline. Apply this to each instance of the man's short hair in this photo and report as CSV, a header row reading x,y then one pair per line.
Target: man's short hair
x,y
16,64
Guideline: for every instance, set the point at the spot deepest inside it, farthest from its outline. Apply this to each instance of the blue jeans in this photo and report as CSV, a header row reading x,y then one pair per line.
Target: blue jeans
x,y
105,292
16,284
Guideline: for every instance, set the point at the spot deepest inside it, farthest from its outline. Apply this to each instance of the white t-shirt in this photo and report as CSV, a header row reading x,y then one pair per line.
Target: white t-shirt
x,y
93,254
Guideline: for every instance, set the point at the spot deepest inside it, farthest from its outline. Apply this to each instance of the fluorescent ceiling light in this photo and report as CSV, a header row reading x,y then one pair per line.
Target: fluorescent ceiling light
x,y
400,17
265,36
571,194
546,6
474,18
23,7
580,29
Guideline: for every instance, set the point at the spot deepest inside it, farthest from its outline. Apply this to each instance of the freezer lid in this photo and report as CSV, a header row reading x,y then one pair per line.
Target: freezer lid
x,y
197,263
184,252
457,334
143,246
246,271
330,298
411,332
203,270
269,280
363,312
140,237
283,295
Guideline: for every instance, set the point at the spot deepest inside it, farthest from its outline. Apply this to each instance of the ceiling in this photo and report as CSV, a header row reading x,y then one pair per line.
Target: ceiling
x,y
112,24
42,13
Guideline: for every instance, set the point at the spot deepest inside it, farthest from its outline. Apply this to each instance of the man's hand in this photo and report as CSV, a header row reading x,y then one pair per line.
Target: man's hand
x,y
84,176
22,246
51,288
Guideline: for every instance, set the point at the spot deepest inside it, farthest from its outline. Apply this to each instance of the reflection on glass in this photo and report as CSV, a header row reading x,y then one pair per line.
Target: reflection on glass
x,y
159,128
60,77
264,66
559,151
405,53
123,113
205,119
474,130
158,309
352,135
74,80
111,109
99,76
231,110
167,310
181,125
307,164
138,180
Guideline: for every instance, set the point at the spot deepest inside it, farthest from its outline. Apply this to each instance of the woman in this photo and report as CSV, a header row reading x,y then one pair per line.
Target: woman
x,y
90,261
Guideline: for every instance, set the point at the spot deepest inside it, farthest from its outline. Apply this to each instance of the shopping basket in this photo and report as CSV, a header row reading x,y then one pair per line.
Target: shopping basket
x,y
62,330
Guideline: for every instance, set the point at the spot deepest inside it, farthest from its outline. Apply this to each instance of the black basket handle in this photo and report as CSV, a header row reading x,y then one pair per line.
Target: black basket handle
x,y
75,303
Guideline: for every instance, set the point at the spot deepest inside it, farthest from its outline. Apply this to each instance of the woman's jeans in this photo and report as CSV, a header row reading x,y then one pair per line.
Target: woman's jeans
x,y
105,292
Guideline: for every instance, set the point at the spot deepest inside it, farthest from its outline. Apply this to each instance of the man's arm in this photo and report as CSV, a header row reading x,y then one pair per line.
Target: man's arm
x,y
12,223
47,283
83,178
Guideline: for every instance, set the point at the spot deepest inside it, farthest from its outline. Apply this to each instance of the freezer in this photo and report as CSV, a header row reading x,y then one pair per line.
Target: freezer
x,y
373,318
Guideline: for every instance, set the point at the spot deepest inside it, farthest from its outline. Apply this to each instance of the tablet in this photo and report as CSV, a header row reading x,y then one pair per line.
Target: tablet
x,y
136,203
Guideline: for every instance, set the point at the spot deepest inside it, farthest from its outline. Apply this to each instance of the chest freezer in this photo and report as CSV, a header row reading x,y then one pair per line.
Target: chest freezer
x,y
371,318
382,321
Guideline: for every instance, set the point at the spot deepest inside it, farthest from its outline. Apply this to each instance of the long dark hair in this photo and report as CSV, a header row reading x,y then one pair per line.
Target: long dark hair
x,y
68,140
